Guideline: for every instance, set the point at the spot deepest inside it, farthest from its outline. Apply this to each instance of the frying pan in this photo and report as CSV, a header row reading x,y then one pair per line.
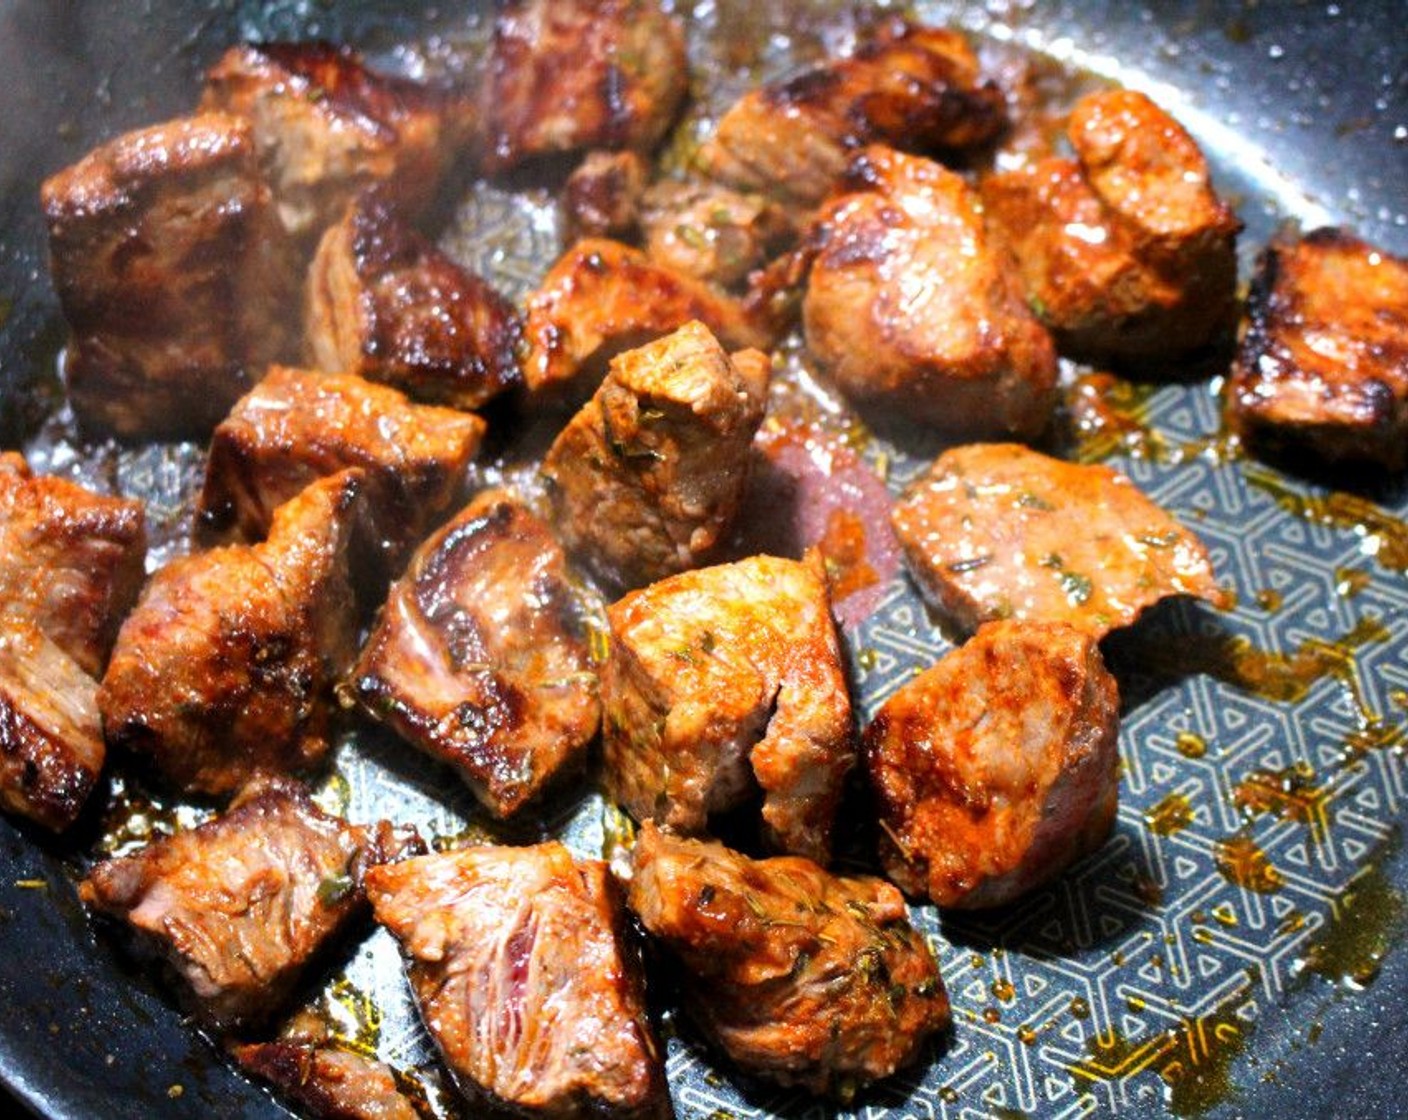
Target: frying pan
x,y
1304,111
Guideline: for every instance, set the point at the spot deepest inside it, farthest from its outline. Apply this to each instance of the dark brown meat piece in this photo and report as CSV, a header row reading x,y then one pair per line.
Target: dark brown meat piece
x,y
572,75
1128,255
913,309
602,297
326,126
710,232
648,477
240,905
173,275
382,302
724,681
1000,531
298,426
478,657
804,977
519,963
71,561
910,87
1324,360
602,197
226,666
998,767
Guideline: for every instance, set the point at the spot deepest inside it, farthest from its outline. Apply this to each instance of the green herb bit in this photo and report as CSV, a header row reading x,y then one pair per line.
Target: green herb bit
x,y
334,889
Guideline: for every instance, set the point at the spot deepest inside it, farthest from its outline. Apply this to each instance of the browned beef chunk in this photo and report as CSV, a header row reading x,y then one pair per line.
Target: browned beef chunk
x,y
520,966
241,904
909,87
998,767
913,309
382,302
326,126
51,741
1000,531
724,681
648,477
298,426
1127,255
571,75
71,561
478,656
173,275
226,666
602,197
804,977
330,1080
712,232
1324,360
603,297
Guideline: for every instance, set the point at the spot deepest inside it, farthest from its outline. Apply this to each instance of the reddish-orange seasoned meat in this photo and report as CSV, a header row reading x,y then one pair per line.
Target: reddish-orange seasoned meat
x,y
912,309
998,767
571,75
724,682
602,196
1324,360
1000,531
226,666
647,478
519,963
478,657
173,274
241,904
804,977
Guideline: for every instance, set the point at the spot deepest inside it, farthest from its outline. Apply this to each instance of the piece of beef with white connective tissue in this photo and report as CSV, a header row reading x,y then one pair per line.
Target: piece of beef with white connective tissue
x,y
999,531
915,312
575,75
998,767
521,964
174,275
479,656
723,683
911,87
383,303
298,426
800,976
1323,363
226,666
240,905
647,478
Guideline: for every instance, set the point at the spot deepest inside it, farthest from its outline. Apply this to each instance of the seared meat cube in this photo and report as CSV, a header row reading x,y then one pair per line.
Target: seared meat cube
x,y
1001,531
648,477
804,977
51,741
571,75
722,682
330,1080
1324,361
711,232
998,767
225,667
909,87
297,426
241,904
1128,255
173,275
519,963
910,306
384,303
478,657
601,298
326,126
602,197
71,561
